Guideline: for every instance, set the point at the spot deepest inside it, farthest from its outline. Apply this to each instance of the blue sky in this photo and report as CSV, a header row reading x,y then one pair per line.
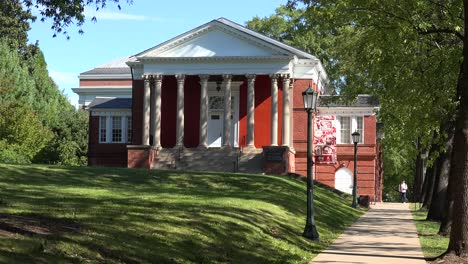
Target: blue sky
x,y
135,28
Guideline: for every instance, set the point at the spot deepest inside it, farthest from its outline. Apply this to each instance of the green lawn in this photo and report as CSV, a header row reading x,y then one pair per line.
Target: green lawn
x,y
432,244
51,214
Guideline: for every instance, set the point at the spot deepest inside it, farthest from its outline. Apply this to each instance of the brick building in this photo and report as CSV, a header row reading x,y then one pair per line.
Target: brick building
x,y
222,97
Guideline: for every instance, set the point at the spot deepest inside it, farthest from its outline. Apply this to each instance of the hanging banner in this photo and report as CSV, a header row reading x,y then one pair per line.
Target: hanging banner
x,y
325,139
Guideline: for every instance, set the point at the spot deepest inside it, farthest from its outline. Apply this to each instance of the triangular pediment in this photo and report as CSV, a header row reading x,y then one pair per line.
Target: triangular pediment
x,y
217,38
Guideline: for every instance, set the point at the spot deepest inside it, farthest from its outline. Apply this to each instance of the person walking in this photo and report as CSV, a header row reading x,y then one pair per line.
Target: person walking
x,y
402,189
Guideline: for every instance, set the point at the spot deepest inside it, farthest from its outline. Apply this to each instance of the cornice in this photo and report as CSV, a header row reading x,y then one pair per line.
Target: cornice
x,y
214,59
102,89
347,111
111,112
105,76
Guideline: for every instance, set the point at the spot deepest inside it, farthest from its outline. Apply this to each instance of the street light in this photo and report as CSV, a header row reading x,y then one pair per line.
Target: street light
x,y
356,138
310,101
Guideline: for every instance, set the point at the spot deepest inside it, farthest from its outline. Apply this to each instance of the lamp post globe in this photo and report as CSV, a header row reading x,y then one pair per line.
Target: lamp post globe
x,y
356,138
310,101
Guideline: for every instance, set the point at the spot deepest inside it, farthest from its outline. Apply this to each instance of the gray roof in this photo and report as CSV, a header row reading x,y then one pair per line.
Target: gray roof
x,y
114,67
362,100
111,103
108,71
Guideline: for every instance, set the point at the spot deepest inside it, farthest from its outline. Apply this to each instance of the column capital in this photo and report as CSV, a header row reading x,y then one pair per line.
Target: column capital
x,y
274,76
285,76
180,77
226,77
157,77
250,76
147,77
204,77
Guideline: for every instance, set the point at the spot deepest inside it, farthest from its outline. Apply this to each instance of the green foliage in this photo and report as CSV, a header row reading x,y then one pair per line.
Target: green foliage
x,y
38,124
22,134
14,23
115,215
66,13
406,53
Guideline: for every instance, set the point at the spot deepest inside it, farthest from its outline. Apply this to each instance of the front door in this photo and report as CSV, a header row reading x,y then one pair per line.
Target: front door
x,y
216,119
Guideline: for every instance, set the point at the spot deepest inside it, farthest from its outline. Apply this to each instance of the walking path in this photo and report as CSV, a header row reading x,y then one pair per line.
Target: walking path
x,y
385,234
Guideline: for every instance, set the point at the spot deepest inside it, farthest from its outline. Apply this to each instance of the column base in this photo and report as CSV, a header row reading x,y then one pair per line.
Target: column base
x,y
202,147
249,147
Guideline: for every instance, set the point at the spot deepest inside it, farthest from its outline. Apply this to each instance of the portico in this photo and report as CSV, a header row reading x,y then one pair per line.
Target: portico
x,y
219,108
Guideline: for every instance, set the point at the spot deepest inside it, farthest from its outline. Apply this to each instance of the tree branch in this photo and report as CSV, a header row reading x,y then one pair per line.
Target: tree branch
x,y
439,31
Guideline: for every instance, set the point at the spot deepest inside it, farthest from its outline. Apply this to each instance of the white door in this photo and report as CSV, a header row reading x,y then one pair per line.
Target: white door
x,y
344,180
215,128
216,119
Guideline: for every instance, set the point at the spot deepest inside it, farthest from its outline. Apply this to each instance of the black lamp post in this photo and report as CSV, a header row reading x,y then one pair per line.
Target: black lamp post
x,y
310,101
356,137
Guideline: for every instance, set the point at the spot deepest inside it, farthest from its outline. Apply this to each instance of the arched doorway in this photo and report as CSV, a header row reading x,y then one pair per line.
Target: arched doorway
x,y
344,180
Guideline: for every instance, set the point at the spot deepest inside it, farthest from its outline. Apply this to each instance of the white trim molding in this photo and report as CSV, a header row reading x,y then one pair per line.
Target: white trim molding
x,y
347,111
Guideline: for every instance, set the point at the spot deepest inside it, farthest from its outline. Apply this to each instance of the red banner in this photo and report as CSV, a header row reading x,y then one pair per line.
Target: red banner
x,y
325,139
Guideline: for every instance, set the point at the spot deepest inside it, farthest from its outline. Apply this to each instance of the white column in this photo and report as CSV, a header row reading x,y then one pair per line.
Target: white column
x,y
203,111
227,111
146,111
180,111
286,111
291,120
274,110
156,104
250,110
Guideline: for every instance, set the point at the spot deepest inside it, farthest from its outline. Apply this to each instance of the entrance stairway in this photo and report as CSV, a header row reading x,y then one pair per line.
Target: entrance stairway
x,y
212,159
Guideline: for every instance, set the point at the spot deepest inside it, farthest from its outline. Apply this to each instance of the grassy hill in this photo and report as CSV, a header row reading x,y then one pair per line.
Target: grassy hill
x,y
51,214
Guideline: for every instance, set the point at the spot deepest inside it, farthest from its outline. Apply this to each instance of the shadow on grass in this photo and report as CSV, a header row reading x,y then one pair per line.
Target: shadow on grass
x,y
141,216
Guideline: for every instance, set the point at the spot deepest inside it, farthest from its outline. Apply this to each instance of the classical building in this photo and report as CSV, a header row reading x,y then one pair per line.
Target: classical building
x,y
222,97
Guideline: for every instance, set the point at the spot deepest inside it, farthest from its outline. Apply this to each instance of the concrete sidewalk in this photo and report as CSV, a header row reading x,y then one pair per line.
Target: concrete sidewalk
x,y
385,234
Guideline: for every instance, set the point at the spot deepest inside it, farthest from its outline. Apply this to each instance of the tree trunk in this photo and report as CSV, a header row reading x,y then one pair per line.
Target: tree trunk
x,y
429,185
458,244
418,180
446,222
439,205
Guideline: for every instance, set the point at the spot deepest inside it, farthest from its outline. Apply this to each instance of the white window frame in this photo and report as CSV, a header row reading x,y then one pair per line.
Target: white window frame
x,y
124,126
353,126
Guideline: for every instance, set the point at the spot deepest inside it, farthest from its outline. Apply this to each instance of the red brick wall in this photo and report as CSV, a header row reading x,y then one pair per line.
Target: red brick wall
x,y
300,125
262,111
137,111
106,82
108,154
325,173
140,158
370,134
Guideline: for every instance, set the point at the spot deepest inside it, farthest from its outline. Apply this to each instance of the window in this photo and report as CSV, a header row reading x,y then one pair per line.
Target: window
x,y
345,129
115,128
102,128
346,125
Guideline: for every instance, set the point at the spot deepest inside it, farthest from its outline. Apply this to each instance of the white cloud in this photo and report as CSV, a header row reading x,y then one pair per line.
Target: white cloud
x,y
106,15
